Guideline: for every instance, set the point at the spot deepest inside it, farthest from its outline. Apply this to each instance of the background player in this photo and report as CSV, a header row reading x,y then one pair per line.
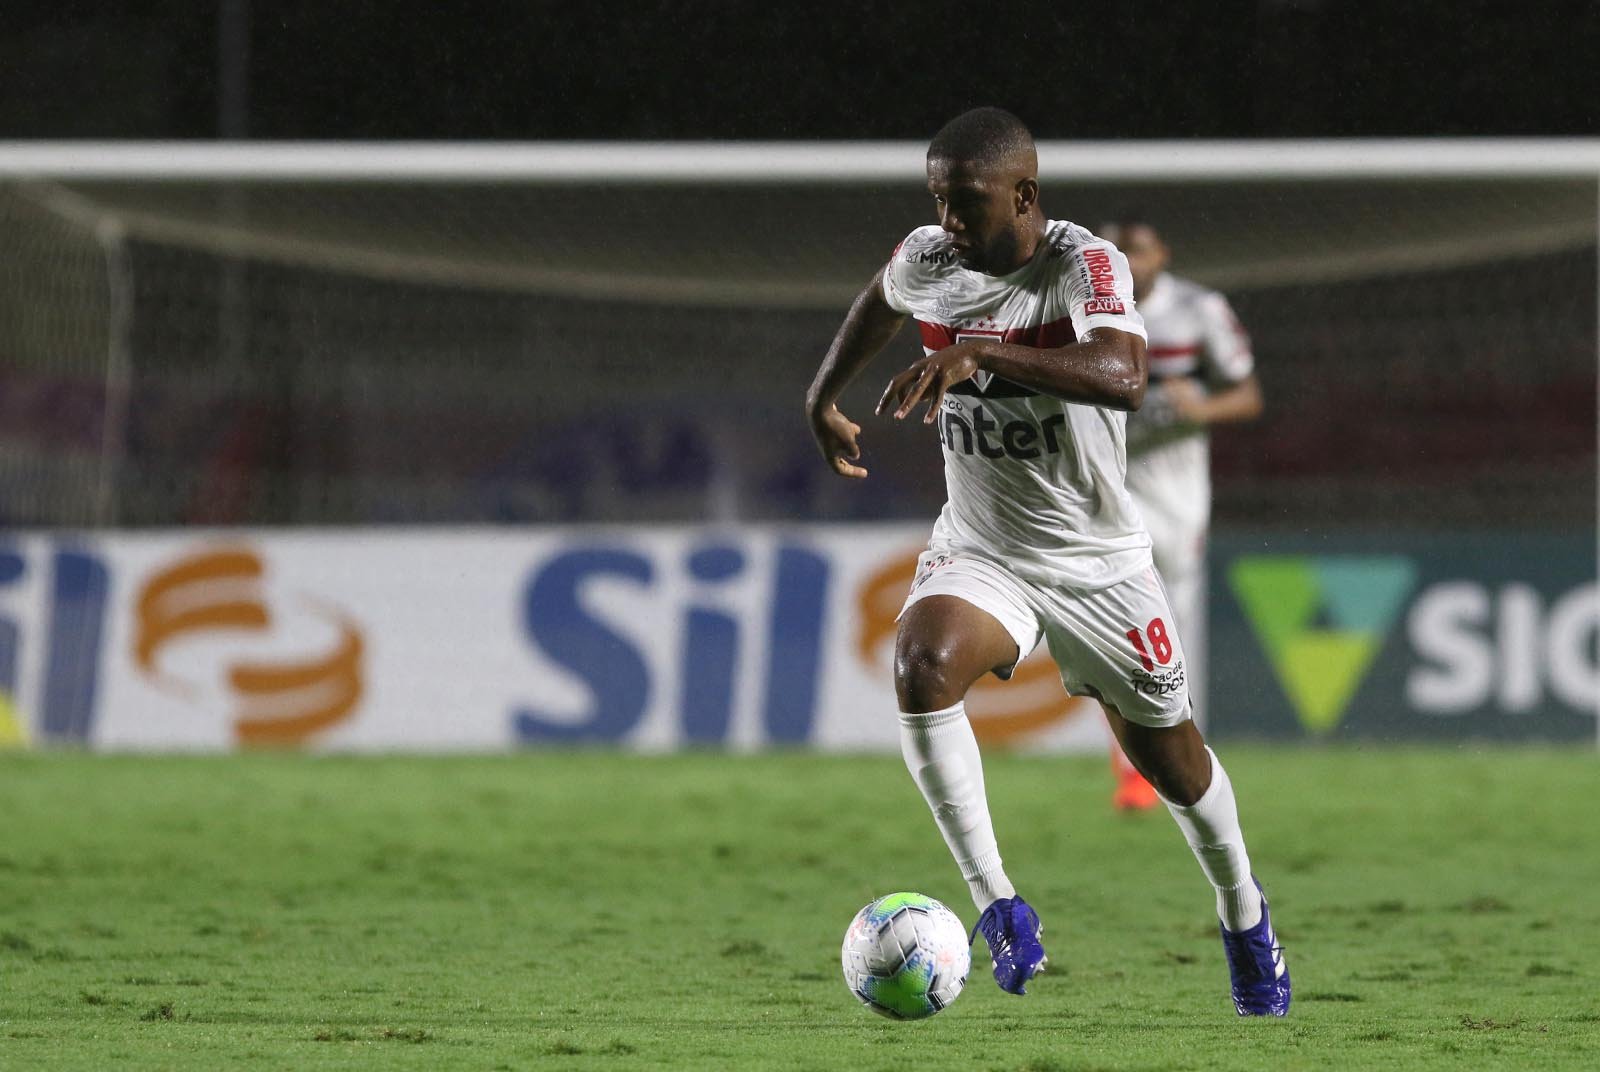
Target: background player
x,y
1201,373
1032,351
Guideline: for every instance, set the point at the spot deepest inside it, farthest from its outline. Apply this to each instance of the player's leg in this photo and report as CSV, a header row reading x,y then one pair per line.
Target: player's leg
x,y
1120,644
1131,790
944,645
964,619
1199,795
1178,547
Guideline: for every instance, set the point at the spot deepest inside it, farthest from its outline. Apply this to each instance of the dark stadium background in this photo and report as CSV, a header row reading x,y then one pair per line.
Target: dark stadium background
x,y
309,69
731,69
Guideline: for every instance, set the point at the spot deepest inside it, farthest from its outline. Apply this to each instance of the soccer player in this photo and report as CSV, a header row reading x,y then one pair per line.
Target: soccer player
x,y
1033,352
1201,373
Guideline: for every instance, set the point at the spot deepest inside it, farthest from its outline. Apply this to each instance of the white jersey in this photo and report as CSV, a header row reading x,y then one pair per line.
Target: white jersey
x,y
1193,333
1032,481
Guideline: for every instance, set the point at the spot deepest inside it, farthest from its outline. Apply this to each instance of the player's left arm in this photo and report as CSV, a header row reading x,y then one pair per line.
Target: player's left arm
x,y
1237,402
1107,367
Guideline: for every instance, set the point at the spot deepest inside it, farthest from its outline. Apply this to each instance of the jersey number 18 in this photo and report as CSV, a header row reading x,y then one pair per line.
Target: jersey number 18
x,y
1157,632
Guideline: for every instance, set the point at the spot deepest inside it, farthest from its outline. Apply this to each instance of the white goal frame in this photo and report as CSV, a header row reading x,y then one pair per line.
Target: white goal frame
x,y
787,162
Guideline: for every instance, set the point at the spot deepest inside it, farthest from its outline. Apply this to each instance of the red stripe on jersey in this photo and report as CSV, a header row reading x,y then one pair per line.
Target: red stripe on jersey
x,y
1045,336
936,336
1042,336
1174,351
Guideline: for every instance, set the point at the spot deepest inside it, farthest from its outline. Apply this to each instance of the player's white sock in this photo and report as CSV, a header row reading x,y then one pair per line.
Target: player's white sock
x,y
942,754
1211,826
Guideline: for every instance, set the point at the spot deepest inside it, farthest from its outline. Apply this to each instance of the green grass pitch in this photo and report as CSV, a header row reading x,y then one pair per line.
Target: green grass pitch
x,y
586,910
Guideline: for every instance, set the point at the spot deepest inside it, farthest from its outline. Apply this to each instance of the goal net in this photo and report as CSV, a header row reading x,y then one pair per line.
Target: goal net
x,y
339,335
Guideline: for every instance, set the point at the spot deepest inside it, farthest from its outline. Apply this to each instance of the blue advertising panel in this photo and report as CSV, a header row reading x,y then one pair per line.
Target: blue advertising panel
x,y
1405,636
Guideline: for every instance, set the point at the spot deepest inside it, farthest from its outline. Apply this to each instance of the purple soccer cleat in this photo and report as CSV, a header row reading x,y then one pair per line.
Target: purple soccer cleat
x,y
1255,963
1012,930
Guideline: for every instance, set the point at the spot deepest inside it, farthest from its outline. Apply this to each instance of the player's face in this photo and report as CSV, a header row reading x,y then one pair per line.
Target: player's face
x,y
1147,254
979,209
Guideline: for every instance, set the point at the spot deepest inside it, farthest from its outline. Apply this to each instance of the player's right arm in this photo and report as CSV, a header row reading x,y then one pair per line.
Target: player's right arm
x,y
867,328
1232,392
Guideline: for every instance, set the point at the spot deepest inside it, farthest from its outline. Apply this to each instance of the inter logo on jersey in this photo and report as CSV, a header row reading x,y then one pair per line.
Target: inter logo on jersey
x,y
979,433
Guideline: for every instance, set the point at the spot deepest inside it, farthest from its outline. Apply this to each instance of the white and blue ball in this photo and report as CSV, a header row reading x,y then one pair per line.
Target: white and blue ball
x,y
905,956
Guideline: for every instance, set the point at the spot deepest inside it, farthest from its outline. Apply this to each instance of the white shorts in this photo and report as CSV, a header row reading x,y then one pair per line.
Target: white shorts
x,y
1116,644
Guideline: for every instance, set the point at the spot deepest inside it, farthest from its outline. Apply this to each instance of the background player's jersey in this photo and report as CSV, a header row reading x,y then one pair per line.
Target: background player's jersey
x,y
1193,333
1033,481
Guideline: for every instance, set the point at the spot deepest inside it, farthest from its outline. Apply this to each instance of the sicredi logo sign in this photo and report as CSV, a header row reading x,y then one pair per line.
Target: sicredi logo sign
x,y
1448,636
1321,620
1503,645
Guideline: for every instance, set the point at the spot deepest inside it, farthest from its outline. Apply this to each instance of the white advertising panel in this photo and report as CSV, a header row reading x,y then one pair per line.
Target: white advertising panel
x,y
479,639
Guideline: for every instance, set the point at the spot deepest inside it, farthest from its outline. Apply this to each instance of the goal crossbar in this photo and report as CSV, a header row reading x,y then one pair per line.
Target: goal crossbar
x,y
783,162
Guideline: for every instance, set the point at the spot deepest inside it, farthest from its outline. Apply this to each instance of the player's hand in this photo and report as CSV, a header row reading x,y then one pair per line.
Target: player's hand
x,y
1186,398
928,379
836,436
1162,402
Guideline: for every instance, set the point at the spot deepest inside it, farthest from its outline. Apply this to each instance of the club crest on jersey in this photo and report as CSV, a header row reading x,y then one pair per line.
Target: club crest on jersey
x,y
981,377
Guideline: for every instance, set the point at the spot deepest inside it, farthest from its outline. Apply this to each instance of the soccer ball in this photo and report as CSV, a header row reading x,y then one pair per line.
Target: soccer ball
x,y
905,956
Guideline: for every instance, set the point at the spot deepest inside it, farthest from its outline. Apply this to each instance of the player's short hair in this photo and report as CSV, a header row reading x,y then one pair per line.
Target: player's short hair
x,y
981,135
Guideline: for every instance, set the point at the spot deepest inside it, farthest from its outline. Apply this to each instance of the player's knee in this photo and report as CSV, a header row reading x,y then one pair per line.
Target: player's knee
x,y
927,675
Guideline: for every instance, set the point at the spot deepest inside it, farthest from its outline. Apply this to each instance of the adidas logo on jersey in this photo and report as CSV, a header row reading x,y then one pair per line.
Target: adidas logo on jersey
x,y
1022,440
